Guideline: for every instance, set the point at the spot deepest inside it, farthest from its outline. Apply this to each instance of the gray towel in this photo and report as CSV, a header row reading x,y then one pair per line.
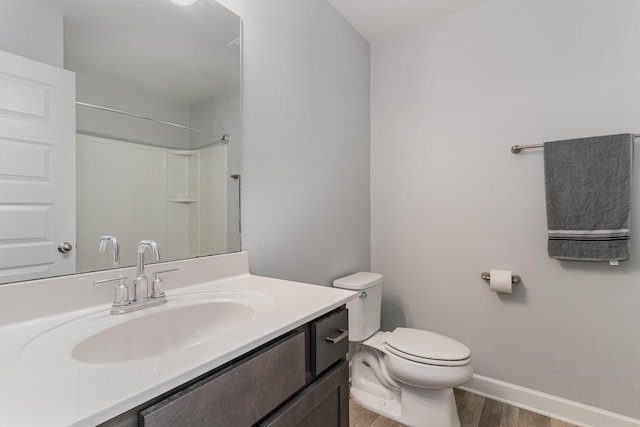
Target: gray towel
x,y
588,190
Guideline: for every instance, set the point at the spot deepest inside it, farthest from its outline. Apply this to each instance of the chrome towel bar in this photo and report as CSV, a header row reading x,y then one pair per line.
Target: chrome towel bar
x,y
515,149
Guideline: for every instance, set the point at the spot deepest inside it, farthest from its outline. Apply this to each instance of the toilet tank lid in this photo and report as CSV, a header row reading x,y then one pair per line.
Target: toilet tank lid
x,y
362,280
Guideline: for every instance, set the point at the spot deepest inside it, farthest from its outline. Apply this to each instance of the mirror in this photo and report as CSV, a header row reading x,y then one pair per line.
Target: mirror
x,y
142,67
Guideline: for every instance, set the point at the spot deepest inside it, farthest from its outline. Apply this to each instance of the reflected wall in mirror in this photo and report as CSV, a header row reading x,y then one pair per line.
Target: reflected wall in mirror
x,y
137,178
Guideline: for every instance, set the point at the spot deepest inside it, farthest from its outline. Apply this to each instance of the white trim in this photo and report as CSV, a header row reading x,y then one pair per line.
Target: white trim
x,y
588,232
547,404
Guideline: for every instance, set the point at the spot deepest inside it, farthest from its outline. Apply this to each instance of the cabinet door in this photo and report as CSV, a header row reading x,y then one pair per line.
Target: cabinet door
x,y
325,403
239,395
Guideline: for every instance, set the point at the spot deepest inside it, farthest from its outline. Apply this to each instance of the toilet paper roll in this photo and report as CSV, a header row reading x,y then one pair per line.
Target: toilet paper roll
x,y
500,281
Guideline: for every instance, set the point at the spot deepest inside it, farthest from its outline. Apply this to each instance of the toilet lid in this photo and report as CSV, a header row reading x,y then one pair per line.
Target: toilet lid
x,y
427,347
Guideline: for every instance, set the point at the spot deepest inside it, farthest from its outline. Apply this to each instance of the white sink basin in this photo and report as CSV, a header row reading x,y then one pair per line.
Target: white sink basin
x,y
170,329
186,321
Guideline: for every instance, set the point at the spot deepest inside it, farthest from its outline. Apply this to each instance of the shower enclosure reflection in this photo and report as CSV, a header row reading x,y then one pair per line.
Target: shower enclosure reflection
x,y
177,196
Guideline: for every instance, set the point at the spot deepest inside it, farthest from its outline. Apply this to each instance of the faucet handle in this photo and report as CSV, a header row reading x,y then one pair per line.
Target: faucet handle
x,y
121,297
171,270
157,287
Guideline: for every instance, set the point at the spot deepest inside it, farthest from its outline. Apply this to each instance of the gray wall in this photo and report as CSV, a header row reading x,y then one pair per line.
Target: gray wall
x,y
305,202
449,200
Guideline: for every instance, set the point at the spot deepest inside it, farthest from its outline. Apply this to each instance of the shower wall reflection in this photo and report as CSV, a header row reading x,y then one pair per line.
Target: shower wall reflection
x,y
179,199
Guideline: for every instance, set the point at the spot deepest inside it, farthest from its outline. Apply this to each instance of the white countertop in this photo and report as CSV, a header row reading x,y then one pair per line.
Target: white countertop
x,y
48,387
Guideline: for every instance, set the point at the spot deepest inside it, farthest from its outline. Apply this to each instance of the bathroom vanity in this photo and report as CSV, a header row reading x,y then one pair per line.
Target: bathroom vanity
x,y
229,348
300,378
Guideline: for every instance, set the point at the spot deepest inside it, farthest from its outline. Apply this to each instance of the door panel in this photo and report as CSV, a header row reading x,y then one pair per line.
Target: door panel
x,y
37,168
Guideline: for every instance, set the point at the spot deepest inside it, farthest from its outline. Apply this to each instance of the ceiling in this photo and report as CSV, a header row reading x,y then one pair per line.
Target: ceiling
x,y
378,19
184,54
111,40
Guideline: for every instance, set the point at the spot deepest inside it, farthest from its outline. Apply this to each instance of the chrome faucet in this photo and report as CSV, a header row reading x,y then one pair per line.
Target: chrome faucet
x,y
102,244
143,295
141,290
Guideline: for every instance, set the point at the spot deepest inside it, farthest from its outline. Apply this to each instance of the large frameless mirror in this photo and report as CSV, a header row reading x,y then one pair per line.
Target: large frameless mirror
x,y
158,132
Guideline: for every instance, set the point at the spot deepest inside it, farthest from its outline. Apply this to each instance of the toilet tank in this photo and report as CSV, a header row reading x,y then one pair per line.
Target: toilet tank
x,y
364,311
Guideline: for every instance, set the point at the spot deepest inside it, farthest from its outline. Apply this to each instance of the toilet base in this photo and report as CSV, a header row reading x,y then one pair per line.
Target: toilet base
x,y
413,407
372,389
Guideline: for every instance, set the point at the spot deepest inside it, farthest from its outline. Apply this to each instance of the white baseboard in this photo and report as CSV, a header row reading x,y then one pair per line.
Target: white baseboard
x,y
547,404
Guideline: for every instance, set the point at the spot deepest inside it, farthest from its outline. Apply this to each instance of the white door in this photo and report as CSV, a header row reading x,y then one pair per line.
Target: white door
x,y
37,169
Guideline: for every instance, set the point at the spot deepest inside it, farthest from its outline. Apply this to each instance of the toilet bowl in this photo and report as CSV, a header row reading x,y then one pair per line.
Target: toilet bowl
x,y
408,374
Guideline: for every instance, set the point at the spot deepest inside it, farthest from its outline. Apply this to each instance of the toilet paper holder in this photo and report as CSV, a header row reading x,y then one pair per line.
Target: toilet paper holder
x,y
515,279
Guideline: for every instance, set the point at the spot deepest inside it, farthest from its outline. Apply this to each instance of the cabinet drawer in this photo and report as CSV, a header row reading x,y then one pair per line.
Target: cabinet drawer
x,y
238,395
329,340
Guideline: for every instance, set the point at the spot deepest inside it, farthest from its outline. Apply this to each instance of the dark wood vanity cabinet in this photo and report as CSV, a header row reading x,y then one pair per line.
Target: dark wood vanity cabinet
x,y
323,403
298,379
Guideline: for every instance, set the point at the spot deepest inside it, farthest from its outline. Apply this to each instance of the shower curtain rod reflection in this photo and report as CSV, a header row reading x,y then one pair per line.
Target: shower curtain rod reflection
x,y
223,139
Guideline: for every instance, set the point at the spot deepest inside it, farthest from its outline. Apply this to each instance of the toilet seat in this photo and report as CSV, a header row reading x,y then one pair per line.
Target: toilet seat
x,y
427,347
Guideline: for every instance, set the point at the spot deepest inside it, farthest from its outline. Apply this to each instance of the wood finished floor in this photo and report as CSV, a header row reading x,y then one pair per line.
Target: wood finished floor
x,y
474,411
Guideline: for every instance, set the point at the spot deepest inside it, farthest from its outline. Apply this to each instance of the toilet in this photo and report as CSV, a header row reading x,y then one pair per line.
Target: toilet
x,y
406,375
